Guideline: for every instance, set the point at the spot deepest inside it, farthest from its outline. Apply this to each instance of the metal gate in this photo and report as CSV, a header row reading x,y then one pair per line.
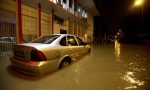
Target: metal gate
x,y
7,26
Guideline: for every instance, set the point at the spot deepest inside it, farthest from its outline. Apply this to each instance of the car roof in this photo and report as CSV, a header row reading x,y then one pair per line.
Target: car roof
x,y
62,34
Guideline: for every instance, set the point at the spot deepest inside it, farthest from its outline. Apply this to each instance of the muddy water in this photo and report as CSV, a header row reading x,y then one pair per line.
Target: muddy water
x,y
108,67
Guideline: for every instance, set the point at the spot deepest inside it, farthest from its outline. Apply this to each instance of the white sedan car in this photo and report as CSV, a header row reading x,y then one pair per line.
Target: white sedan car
x,y
48,53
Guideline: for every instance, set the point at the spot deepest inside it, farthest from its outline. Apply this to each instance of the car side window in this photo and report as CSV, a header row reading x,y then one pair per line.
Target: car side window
x,y
63,41
80,41
71,41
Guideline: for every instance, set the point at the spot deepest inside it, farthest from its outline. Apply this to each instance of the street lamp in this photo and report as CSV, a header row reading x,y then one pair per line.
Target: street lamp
x,y
138,3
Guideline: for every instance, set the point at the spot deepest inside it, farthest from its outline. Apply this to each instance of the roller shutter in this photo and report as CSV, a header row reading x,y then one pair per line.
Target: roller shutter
x,y
29,22
45,23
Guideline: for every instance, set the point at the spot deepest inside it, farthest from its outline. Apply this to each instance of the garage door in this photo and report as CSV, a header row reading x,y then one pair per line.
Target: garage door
x,y
29,22
45,23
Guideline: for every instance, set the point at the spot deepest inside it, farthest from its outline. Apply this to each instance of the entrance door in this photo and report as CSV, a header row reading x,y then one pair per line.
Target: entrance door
x,y
63,31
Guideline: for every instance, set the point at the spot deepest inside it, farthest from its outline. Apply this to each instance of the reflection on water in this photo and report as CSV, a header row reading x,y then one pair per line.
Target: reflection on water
x,y
133,65
117,50
129,77
77,73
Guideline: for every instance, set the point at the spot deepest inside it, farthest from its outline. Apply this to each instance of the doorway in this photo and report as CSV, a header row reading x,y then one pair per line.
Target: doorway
x,y
63,31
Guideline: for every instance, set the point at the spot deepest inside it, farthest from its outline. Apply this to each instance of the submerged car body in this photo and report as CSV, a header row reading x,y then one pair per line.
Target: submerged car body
x,y
48,53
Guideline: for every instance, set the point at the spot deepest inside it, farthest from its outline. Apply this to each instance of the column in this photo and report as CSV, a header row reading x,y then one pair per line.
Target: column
x,y
19,23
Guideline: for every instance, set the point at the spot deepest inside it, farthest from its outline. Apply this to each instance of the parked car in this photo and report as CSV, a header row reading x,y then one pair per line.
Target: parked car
x,y
6,44
8,40
48,53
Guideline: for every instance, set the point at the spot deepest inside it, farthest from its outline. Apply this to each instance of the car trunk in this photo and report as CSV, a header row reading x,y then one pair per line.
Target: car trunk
x,y
22,52
33,51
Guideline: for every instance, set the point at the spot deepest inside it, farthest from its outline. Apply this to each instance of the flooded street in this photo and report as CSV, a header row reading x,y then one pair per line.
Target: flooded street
x,y
108,67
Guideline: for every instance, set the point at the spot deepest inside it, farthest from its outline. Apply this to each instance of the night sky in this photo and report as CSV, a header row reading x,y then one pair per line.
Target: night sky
x,y
120,13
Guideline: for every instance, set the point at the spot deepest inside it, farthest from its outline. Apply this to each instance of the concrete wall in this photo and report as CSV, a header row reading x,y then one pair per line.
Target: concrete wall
x,y
58,26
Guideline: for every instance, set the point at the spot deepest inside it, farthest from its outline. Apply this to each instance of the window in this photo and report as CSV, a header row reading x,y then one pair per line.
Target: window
x,y
71,41
63,41
45,39
75,5
63,31
65,1
79,8
70,3
80,41
59,1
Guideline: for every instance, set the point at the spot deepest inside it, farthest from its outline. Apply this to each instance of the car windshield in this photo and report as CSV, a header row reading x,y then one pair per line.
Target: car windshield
x,y
45,39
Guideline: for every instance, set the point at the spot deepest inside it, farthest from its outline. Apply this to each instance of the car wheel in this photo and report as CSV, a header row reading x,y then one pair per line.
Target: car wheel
x,y
65,62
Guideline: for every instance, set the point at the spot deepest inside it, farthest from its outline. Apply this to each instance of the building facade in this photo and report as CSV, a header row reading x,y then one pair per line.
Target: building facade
x,y
24,20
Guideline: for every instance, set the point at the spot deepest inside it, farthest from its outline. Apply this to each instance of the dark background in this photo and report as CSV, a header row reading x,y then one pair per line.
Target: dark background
x,y
119,14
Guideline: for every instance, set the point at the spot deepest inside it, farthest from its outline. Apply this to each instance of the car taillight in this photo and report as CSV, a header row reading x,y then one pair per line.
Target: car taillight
x,y
37,55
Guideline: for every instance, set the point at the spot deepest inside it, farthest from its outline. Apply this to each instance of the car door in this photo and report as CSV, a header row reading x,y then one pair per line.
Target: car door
x,y
82,46
73,47
64,47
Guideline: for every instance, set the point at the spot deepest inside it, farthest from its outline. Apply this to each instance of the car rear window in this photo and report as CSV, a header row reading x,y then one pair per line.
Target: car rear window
x,y
46,39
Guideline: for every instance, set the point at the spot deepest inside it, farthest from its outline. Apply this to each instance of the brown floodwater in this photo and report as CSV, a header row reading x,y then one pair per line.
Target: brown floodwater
x,y
112,66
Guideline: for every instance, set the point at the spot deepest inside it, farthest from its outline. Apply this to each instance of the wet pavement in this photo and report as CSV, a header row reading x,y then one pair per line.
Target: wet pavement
x,y
108,67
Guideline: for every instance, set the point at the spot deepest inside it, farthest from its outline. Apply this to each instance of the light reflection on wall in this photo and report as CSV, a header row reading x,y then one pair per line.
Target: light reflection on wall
x,y
117,50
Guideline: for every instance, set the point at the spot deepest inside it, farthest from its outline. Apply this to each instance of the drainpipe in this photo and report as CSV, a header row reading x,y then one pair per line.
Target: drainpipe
x,y
19,34
52,21
39,19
